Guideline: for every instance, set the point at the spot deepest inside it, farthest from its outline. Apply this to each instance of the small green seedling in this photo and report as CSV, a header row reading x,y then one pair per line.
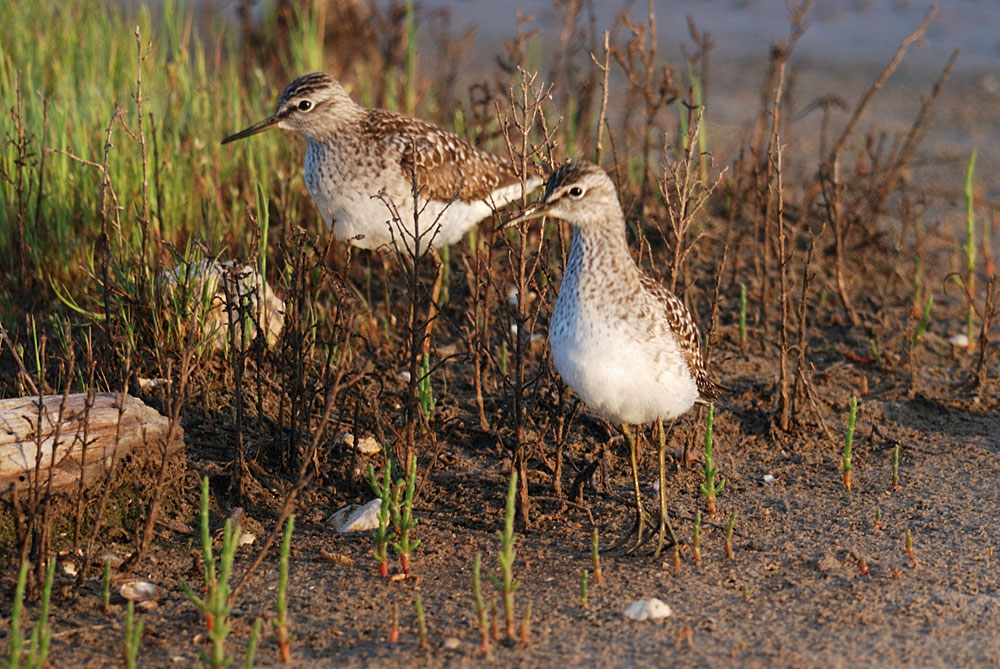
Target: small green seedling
x,y
41,635
583,589
402,518
743,317
910,553
383,535
425,392
215,606
394,626
281,619
252,643
595,558
696,540
418,605
482,614
970,246
133,636
106,587
895,467
925,319
710,488
846,454
506,584
729,535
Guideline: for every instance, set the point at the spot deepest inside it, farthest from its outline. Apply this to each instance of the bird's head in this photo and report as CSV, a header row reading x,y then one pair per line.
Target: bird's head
x,y
581,193
310,106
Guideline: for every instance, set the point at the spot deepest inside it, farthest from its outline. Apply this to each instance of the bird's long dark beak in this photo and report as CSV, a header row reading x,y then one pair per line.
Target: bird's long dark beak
x,y
536,211
266,124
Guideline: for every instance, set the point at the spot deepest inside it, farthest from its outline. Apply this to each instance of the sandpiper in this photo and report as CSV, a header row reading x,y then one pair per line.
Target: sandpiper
x,y
623,342
361,165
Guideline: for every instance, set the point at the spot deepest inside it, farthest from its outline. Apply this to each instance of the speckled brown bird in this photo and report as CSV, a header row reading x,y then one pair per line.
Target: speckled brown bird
x,y
624,343
361,164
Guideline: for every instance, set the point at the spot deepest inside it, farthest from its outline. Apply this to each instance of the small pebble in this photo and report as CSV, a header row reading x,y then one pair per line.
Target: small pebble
x,y
648,609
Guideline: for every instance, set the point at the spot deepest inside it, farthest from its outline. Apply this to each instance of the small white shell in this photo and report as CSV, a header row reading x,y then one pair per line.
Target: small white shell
x,y
769,478
139,591
960,339
356,518
246,539
647,609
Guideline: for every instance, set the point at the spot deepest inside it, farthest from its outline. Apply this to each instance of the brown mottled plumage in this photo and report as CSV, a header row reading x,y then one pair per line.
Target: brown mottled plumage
x,y
623,342
361,164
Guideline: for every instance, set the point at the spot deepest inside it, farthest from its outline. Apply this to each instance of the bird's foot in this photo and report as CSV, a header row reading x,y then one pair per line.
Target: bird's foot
x,y
664,536
637,536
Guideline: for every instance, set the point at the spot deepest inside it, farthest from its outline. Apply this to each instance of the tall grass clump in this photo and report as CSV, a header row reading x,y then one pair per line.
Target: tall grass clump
x,y
78,129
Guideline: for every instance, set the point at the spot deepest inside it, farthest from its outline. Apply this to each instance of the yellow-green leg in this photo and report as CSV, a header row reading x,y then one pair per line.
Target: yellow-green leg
x,y
665,527
639,526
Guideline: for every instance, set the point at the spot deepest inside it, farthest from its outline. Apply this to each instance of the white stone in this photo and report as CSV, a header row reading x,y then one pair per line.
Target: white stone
x,y
769,478
369,446
355,518
648,609
139,591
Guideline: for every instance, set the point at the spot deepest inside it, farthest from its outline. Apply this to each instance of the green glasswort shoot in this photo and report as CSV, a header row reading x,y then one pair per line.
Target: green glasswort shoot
x,y
696,541
16,639
595,558
133,636
106,587
421,623
252,643
394,627
281,620
895,467
743,317
482,617
846,455
910,553
403,519
215,605
729,535
925,319
425,391
383,534
970,245
41,635
583,589
710,488
507,585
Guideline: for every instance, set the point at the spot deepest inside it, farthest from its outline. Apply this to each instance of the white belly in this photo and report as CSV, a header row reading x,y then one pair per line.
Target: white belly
x,y
615,372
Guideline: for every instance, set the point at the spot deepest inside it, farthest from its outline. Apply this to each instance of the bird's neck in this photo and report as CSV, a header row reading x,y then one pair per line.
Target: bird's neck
x,y
601,249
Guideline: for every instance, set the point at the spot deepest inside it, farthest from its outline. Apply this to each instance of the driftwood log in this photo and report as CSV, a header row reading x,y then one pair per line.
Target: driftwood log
x,y
75,440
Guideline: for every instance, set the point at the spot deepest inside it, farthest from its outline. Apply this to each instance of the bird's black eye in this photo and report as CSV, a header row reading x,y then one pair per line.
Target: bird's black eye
x,y
576,191
305,105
